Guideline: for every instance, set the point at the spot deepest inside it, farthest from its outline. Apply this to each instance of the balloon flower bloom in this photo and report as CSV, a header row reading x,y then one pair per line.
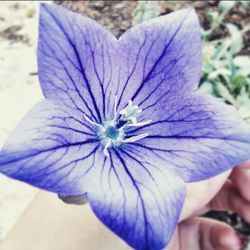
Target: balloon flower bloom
x,y
122,123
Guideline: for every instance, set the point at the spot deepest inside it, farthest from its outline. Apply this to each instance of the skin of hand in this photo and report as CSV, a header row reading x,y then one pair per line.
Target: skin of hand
x,y
50,224
226,192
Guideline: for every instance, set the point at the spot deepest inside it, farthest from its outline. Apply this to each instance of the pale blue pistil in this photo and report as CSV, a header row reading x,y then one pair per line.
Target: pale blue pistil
x,y
112,132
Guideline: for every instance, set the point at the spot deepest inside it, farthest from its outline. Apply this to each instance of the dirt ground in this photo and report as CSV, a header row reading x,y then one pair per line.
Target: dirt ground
x,y
117,15
19,90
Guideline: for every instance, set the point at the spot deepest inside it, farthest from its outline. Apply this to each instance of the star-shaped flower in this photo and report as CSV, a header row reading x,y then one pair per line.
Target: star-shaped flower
x,y
122,122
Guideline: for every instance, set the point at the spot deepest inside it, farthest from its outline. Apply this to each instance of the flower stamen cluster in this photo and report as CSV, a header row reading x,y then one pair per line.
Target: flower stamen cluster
x,y
112,133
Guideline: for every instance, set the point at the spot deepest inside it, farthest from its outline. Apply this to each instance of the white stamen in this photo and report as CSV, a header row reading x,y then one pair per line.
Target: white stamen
x,y
90,121
130,112
105,151
107,131
135,138
133,120
115,109
139,124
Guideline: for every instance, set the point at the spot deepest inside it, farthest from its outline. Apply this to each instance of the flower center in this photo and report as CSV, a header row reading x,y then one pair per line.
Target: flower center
x,y
112,133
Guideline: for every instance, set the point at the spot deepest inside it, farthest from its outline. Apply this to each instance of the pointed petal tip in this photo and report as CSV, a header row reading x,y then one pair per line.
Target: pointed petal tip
x,y
50,7
188,13
44,6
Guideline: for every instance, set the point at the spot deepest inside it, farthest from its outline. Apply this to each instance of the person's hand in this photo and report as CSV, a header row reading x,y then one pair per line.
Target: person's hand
x,y
227,192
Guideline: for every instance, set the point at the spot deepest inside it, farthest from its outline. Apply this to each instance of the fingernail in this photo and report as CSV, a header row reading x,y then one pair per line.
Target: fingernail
x,y
241,241
235,242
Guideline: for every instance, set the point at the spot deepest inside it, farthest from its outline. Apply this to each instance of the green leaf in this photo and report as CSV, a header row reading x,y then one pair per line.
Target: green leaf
x,y
146,10
207,87
221,71
244,5
212,17
231,64
225,6
243,104
243,63
207,68
221,49
236,38
224,93
238,81
208,52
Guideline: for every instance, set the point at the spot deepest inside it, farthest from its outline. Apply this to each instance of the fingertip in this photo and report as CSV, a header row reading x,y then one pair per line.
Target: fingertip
x,y
228,239
241,179
220,235
203,233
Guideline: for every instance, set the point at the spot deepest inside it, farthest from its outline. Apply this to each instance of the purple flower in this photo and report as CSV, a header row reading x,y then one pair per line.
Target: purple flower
x,y
122,122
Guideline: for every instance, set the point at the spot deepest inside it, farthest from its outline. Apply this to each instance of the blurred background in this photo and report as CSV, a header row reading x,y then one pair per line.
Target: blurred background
x,y
226,69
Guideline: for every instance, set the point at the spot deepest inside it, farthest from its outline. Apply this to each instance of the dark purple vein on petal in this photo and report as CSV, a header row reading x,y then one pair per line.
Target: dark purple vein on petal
x,y
71,79
74,162
134,182
37,152
139,162
159,59
131,73
172,63
122,187
101,82
80,63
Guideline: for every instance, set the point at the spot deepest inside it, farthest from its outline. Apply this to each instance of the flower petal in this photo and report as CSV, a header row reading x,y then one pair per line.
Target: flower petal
x,y
159,57
139,202
52,149
74,59
196,136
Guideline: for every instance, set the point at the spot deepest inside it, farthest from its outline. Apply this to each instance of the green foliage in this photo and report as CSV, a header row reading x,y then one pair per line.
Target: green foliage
x,y
146,10
226,74
225,6
244,5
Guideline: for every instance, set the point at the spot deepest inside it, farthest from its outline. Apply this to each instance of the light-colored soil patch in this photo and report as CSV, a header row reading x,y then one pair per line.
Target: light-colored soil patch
x,y
19,90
